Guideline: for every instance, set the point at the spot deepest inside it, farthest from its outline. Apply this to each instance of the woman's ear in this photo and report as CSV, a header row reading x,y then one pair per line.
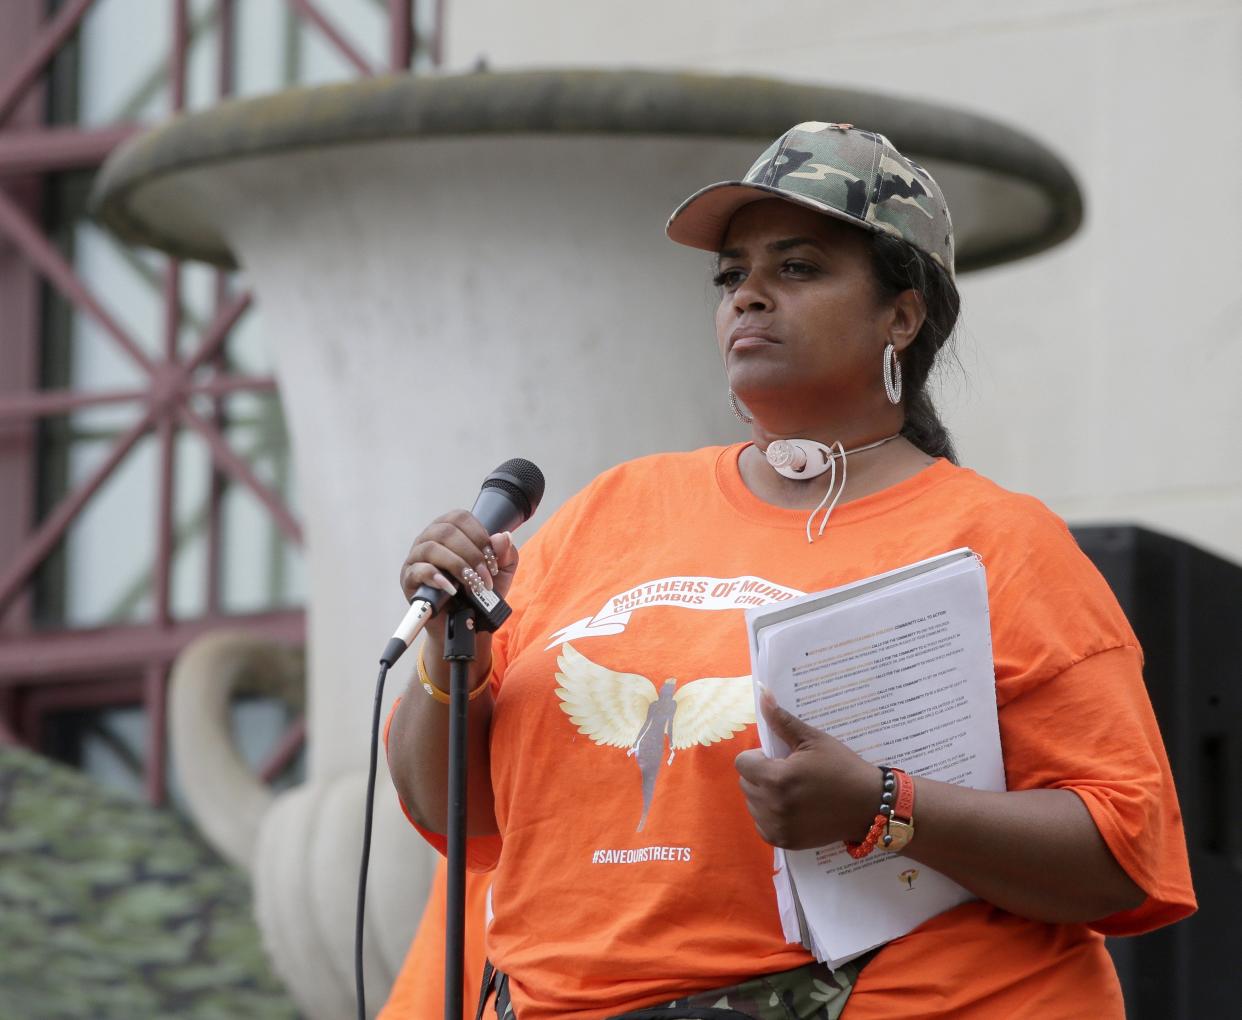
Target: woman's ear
x,y
908,312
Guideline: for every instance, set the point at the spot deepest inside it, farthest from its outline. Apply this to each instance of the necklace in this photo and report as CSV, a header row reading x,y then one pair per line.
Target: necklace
x,y
803,459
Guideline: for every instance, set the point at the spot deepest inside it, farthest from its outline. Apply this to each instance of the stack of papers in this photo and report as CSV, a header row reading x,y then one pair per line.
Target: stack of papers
x,y
899,668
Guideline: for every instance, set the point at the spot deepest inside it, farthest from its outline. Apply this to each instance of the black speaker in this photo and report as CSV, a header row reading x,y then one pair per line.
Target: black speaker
x,y
1185,605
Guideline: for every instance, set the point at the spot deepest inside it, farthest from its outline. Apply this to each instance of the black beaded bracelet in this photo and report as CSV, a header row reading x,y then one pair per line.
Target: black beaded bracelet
x,y
893,827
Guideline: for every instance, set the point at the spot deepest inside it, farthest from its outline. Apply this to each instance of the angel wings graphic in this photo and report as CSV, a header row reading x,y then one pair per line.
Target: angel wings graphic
x,y
626,710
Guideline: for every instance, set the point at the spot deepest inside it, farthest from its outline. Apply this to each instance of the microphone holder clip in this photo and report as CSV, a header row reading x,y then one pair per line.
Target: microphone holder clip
x,y
490,610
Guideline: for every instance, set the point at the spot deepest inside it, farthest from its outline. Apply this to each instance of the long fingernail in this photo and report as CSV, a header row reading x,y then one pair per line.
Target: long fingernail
x,y
489,557
474,581
443,583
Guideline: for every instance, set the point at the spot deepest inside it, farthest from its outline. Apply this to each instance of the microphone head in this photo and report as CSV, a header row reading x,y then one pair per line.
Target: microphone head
x,y
522,481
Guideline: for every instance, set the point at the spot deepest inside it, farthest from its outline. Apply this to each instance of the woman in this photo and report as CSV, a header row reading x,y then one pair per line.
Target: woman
x,y
625,877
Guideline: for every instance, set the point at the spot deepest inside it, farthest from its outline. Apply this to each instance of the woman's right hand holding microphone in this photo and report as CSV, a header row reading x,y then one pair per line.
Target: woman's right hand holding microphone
x,y
447,552
456,546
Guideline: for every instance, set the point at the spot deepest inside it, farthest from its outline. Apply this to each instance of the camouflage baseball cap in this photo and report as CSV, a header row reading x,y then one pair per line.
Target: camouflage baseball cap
x,y
836,169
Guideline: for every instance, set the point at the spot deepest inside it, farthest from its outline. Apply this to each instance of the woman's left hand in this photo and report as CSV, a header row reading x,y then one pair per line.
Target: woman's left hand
x,y
821,793
1035,853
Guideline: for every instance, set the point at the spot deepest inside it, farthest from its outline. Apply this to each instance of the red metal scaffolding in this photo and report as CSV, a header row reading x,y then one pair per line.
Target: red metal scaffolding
x,y
44,671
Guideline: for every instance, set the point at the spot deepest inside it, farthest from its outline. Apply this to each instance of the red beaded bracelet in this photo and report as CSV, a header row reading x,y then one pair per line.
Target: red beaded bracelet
x,y
860,850
896,806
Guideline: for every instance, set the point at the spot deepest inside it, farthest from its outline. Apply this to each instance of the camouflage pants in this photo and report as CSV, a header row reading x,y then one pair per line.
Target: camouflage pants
x,y
813,992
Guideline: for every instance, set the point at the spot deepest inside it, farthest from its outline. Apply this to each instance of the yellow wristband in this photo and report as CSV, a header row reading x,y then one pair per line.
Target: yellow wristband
x,y
438,694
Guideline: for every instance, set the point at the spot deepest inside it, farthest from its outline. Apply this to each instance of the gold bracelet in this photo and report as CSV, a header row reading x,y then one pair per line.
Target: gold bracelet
x,y
438,694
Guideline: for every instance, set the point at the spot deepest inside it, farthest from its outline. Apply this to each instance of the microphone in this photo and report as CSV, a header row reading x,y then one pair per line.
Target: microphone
x,y
508,498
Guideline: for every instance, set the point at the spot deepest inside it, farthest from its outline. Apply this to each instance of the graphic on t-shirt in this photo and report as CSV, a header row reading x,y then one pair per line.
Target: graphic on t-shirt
x,y
684,592
626,710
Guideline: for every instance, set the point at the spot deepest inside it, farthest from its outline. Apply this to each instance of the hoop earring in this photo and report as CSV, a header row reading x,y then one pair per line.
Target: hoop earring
x,y
891,370
738,413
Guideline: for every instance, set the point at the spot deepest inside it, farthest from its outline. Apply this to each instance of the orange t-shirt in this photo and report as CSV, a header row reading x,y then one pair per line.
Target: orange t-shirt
x,y
624,879
418,992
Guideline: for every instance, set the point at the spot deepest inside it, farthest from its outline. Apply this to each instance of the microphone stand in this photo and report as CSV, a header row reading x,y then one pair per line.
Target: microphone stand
x,y
459,653
509,496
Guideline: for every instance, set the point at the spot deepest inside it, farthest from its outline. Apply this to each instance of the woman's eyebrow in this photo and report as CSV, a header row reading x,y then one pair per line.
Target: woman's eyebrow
x,y
785,243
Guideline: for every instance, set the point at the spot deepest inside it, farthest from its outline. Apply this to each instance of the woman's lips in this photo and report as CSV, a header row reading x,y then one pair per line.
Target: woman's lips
x,y
751,341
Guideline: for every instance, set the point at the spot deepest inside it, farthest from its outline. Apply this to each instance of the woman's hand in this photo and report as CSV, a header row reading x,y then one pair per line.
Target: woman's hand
x,y
451,546
821,793
1035,853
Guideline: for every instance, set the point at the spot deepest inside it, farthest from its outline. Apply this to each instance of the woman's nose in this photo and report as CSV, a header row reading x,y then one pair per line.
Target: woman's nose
x,y
752,295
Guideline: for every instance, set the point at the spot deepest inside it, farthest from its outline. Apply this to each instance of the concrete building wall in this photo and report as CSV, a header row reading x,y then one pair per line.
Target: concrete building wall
x,y
1101,376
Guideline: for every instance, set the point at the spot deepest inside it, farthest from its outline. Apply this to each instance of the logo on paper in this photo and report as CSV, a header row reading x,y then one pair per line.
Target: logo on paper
x,y
909,877
627,710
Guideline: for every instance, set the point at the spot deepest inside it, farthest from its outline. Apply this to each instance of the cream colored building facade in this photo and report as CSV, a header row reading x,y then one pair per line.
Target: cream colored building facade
x,y
1102,376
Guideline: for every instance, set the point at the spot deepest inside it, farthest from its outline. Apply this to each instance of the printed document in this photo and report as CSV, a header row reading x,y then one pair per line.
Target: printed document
x,y
899,668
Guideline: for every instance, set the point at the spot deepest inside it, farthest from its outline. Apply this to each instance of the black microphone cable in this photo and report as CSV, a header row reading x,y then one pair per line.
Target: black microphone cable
x,y
490,611
359,984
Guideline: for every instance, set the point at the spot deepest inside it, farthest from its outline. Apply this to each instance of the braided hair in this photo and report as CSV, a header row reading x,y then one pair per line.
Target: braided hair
x,y
898,267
